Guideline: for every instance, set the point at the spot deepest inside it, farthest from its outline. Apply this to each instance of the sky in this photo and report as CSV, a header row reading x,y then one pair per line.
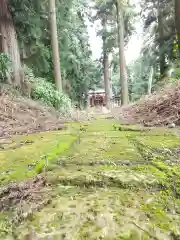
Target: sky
x,y
133,48
95,42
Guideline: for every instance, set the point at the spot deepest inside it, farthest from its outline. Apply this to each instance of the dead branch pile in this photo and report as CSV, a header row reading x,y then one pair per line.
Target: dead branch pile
x,y
23,116
157,109
14,193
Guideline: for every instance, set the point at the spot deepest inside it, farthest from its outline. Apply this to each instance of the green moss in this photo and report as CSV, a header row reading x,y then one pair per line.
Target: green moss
x,y
133,235
161,141
121,149
28,159
158,215
95,196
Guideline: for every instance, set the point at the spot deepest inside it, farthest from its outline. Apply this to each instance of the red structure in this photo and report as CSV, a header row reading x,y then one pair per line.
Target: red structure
x,y
97,98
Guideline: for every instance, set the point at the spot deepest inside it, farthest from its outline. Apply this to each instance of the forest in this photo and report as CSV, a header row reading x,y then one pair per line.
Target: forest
x,y
33,33
73,171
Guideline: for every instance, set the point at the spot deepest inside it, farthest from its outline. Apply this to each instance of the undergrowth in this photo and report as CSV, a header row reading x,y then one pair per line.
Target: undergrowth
x,y
46,92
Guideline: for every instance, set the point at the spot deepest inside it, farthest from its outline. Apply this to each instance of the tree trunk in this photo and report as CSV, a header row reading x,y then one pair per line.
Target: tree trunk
x,y
106,80
55,45
123,75
106,66
150,80
177,20
162,62
9,43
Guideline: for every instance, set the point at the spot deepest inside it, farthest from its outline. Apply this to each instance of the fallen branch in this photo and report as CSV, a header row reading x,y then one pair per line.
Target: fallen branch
x,y
144,230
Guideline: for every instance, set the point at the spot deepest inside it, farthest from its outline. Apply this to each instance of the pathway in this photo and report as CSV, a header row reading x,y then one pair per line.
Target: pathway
x,y
116,182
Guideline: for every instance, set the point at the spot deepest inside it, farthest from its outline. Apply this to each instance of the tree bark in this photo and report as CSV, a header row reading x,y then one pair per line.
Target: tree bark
x,y
106,66
150,81
55,45
106,80
122,64
9,43
177,20
162,62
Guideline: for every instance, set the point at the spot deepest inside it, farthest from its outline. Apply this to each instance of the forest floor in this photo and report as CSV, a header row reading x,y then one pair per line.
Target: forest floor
x,y
96,180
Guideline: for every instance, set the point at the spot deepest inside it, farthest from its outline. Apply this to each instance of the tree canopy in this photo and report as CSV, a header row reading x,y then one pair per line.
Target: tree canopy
x,y
31,23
